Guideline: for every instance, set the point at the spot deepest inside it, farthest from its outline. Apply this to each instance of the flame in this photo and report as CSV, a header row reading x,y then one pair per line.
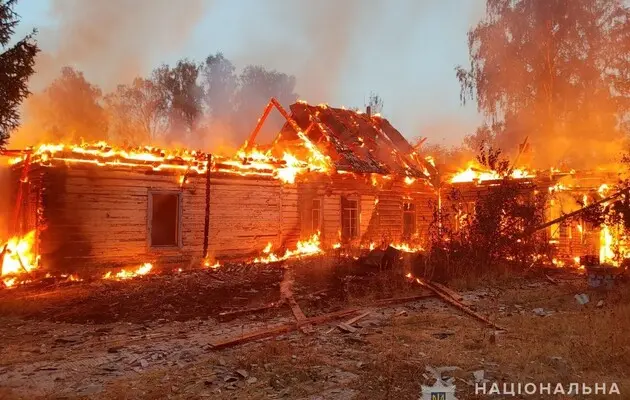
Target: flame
x,y
479,174
303,248
124,274
606,252
409,180
19,257
293,167
602,190
407,248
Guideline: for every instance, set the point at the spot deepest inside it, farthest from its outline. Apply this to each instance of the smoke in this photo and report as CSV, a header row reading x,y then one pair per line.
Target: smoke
x,y
113,41
318,41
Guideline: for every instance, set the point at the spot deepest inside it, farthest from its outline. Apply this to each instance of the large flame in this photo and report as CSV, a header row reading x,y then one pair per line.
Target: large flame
x,y
304,248
19,257
479,174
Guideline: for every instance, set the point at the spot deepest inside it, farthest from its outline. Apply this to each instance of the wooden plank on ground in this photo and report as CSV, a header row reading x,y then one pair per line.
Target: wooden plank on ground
x,y
280,329
457,304
299,315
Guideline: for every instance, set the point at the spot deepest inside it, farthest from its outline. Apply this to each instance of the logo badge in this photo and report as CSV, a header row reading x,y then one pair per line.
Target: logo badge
x,y
439,391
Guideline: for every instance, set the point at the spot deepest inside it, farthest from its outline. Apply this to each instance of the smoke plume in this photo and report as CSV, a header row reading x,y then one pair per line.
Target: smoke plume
x,y
113,41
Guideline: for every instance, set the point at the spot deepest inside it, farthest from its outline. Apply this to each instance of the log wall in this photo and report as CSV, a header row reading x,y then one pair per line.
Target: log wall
x,y
98,218
380,208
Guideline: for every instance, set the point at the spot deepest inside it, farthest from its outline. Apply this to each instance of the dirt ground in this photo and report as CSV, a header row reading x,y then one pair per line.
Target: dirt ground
x,y
152,338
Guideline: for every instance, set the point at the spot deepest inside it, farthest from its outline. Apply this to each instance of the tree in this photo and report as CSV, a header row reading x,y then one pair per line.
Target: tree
x,y
137,112
553,70
70,109
256,86
179,86
219,84
16,66
375,102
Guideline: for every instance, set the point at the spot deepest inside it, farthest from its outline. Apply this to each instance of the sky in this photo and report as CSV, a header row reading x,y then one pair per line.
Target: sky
x,y
338,50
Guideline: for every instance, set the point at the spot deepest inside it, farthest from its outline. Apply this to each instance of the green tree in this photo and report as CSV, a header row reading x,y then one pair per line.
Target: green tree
x,y
16,66
553,70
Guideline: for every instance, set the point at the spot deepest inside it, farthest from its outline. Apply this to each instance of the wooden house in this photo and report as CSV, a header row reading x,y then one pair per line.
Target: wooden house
x,y
378,192
98,208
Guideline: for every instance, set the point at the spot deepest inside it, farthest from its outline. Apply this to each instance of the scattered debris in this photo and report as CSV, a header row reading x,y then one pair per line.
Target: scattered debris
x,y
541,312
346,328
456,303
479,376
600,304
582,298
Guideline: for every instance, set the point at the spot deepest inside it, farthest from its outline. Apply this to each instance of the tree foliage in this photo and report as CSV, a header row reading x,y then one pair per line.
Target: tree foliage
x,y
180,87
256,86
550,69
375,102
16,66
138,113
70,109
219,82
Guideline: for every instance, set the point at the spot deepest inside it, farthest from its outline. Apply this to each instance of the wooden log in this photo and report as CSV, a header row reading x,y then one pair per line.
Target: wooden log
x,y
448,291
299,315
457,304
253,310
280,329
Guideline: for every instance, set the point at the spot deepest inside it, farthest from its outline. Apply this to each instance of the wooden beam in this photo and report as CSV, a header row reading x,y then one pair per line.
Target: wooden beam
x,y
457,304
280,329
206,222
577,212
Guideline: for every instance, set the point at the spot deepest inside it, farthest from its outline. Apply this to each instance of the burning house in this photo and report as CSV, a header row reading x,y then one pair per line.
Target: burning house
x,y
575,239
338,177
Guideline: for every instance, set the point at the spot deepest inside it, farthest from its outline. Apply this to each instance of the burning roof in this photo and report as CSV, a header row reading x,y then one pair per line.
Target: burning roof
x,y
356,141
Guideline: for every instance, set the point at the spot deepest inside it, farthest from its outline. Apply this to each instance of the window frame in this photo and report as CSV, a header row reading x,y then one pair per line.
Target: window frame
x,y
413,212
357,219
178,224
316,227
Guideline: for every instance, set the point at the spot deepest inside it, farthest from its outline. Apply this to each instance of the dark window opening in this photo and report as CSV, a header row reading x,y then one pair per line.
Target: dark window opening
x,y
165,219
316,216
409,220
349,218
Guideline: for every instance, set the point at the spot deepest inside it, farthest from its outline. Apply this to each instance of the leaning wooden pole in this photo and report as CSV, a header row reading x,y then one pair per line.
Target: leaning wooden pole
x,y
206,222
577,212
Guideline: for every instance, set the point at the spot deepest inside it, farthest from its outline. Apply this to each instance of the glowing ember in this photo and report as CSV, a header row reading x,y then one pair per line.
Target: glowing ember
x,y
124,274
304,248
19,257
409,180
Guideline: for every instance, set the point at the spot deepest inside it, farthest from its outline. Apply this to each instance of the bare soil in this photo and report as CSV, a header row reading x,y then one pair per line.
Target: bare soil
x,y
151,338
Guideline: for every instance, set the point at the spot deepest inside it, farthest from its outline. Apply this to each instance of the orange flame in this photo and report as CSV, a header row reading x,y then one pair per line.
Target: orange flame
x,y
124,274
19,257
304,248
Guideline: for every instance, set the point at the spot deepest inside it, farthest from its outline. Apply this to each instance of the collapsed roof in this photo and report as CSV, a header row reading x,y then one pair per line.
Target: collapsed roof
x,y
355,141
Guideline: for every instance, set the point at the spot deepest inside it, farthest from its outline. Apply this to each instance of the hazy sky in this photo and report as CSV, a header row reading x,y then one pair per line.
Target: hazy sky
x,y
339,50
